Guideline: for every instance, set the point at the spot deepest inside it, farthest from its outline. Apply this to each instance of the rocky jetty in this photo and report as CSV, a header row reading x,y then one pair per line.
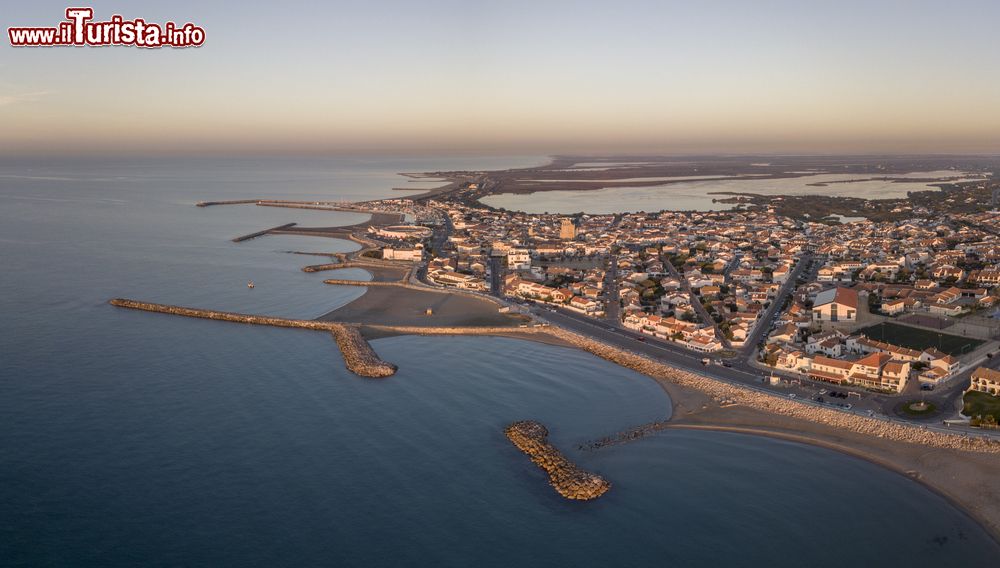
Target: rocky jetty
x,y
359,356
342,282
569,480
222,316
254,235
625,436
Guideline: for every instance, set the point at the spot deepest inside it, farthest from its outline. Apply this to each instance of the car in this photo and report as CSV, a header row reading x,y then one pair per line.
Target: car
x,y
792,395
820,399
926,387
640,339
727,364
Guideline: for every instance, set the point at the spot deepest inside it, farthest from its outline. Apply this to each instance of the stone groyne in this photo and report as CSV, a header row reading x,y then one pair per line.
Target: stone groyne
x,y
284,227
341,282
359,356
441,330
222,316
352,264
625,436
569,480
232,202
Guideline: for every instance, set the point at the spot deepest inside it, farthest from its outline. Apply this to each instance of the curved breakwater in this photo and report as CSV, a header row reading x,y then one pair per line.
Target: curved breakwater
x,y
359,356
352,264
565,477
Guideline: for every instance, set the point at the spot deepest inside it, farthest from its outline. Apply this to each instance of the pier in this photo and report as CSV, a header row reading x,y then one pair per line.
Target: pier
x,y
565,477
284,227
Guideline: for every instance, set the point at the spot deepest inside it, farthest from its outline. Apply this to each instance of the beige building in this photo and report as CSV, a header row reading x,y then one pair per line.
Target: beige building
x,y
415,254
567,230
986,380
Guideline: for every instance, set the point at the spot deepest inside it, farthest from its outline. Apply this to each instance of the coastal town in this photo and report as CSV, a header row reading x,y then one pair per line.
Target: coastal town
x,y
899,314
876,338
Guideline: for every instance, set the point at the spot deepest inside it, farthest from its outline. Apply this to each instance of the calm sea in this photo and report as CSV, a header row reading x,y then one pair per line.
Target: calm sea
x,y
133,439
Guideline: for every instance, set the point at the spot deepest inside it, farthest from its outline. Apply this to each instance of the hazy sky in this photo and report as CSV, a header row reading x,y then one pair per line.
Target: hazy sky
x,y
325,77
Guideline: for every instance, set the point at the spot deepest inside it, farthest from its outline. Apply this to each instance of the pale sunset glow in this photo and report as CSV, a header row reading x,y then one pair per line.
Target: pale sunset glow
x,y
526,77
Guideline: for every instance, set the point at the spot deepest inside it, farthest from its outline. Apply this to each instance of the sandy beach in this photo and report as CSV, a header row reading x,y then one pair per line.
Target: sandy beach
x,y
397,305
967,479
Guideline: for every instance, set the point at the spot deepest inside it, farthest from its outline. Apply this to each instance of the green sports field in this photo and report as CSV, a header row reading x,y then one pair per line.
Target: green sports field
x,y
916,338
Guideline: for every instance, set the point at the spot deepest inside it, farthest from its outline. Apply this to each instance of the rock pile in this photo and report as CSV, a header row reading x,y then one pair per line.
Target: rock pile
x,y
359,356
569,480
626,436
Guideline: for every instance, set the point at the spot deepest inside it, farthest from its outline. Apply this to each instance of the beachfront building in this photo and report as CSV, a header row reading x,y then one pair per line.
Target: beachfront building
x,y
836,305
875,371
985,380
409,254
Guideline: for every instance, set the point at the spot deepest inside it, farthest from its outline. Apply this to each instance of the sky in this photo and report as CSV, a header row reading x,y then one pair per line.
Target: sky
x,y
513,77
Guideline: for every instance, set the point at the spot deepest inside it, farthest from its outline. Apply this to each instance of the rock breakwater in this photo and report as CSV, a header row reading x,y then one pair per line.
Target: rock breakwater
x,y
359,356
284,227
569,480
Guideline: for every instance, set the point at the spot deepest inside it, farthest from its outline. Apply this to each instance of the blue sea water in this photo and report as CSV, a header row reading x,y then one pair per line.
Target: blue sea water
x,y
129,438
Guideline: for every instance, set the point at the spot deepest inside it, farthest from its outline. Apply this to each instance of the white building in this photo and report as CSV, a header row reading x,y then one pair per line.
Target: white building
x,y
414,254
836,305
519,259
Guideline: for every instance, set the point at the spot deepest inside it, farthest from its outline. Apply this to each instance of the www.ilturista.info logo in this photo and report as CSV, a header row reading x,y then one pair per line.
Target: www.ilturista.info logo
x,y
80,30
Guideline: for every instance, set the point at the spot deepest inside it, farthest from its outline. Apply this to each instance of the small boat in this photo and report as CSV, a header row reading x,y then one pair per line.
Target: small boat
x,y
250,284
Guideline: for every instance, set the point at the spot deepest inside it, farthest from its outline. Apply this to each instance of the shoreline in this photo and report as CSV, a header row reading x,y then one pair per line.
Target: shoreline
x,y
693,409
960,469
888,465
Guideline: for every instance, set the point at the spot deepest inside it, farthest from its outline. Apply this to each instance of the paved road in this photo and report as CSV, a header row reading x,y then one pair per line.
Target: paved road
x,y
695,301
612,313
753,341
496,275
